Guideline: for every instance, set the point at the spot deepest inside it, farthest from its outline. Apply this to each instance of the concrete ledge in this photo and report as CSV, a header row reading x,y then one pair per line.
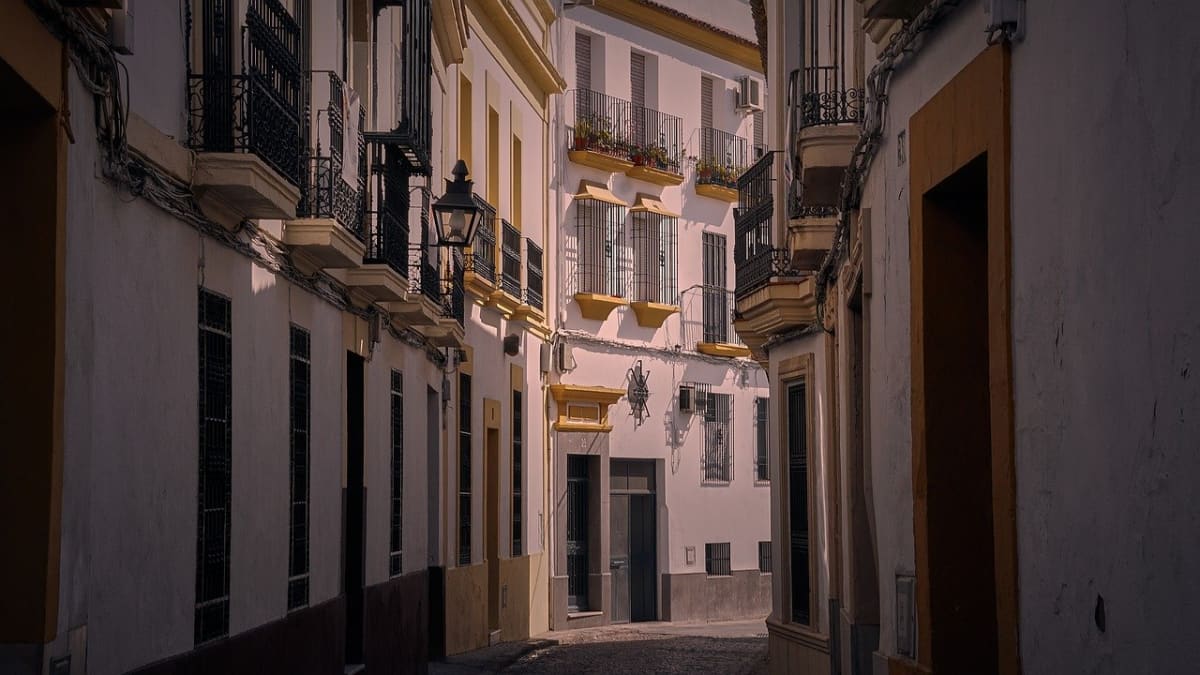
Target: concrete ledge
x,y
330,244
159,149
232,186
379,281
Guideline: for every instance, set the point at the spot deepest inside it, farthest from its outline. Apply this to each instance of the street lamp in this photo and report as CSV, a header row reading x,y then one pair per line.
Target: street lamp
x,y
455,213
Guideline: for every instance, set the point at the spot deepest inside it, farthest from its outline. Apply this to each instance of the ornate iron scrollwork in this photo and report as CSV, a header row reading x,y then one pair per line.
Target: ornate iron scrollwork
x,y
638,392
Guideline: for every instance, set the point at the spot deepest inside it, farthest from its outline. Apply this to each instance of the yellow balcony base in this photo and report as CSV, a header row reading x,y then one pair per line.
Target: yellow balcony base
x,y
714,191
652,314
479,287
722,349
504,303
534,320
599,160
597,306
583,426
655,176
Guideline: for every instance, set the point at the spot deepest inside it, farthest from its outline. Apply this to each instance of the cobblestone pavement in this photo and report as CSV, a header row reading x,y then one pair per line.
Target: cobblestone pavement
x,y
733,648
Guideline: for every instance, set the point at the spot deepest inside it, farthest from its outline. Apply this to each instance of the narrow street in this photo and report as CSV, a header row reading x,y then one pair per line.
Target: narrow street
x,y
734,648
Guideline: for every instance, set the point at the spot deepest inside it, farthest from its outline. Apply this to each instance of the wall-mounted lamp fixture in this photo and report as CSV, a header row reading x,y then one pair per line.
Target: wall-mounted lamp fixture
x,y
455,213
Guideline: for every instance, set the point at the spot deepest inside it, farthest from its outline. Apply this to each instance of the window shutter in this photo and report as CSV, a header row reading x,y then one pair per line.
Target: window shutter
x,y
637,78
706,102
583,61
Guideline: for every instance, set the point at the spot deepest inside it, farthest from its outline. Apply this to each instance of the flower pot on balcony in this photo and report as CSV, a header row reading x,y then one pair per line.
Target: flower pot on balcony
x,y
581,144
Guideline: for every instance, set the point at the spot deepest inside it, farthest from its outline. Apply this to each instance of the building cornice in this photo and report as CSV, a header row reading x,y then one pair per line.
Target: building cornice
x,y
450,30
682,28
530,62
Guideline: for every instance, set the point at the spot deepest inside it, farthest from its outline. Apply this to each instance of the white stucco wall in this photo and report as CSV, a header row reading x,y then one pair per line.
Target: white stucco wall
x,y
1106,333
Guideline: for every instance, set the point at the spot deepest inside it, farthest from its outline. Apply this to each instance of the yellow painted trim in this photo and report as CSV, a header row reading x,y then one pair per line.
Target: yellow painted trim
x,y
655,176
476,285
652,314
504,303
599,160
691,32
722,349
598,191
725,194
651,204
597,306
583,426
587,393
519,46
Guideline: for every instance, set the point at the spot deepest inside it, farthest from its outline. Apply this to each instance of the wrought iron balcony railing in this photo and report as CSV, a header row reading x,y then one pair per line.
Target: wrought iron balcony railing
x,y
723,157
510,259
335,180
413,134
482,260
256,110
826,99
454,305
615,127
424,275
535,281
387,211
708,316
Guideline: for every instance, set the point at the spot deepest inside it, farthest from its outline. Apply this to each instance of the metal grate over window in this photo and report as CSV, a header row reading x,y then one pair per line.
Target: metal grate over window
x,y
483,249
717,308
577,532
762,437
655,258
300,412
797,491
534,275
764,557
716,559
602,264
718,433
518,477
510,259
464,469
396,546
215,464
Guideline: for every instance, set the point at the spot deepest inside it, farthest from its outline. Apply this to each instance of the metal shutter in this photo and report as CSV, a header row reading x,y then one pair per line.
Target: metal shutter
x,y
758,129
706,102
637,78
583,61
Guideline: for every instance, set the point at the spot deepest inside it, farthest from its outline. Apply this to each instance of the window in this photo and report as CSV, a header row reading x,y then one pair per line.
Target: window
x,y
583,61
510,259
716,307
760,128
216,445
761,439
518,478
706,102
515,180
396,547
797,477
464,469
716,559
764,557
493,156
464,119
655,256
300,408
717,435
533,275
601,247
577,532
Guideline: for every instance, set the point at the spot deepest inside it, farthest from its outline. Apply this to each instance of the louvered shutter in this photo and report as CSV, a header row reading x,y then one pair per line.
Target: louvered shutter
x,y
706,102
583,61
637,78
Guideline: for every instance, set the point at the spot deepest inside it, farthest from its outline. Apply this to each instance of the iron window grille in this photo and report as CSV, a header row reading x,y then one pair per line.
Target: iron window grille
x,y
755,258
215,466
482,261
534,276
723,157
716,560
655,258
717,308
602,254
257,110
510,258
413,135
300,412
396,544
325,190
708,316
797,491
718,439
577,532
464,469
424,261
827,98
764,557
762,438
518,478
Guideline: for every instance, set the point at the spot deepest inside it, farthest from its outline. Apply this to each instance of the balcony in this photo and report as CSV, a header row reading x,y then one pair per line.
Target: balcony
x,y
448,328
245,121
723,157
532,309
480,274
332,206
422,304
413,135
509,296
655,262
708,322
384,274
601,264
615,135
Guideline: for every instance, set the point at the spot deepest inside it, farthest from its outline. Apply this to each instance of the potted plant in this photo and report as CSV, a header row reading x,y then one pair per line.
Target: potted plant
x,y
584,132
637,155
704,170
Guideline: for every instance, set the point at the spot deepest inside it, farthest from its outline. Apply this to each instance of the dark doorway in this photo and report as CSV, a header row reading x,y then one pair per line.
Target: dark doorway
x,y
633,537
578,499
863,605
354,520
492,514
957,421
437,583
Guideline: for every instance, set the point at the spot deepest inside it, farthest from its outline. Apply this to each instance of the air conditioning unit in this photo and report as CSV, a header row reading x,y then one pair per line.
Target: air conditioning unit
x,y
564,360
749,96
687,399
